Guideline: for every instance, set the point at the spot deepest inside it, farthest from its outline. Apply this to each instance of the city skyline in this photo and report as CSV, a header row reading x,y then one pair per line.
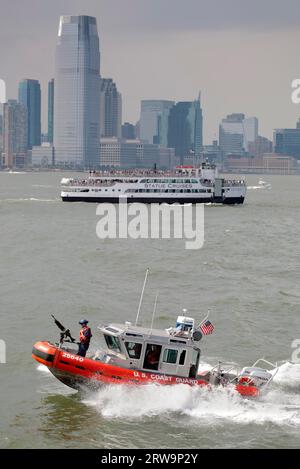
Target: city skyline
x,y
243,60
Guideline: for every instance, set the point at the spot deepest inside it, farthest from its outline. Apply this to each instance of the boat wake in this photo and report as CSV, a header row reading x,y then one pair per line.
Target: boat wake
x,y
29,199
279,405
261,185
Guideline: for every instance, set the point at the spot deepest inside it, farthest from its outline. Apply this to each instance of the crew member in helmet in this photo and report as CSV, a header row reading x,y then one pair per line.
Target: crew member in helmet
x,y
85,336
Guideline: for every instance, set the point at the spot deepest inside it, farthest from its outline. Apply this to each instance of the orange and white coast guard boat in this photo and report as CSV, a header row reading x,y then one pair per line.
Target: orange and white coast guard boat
x,y
135,355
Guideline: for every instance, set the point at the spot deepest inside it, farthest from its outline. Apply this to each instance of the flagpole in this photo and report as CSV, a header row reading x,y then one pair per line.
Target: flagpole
x,y
208,312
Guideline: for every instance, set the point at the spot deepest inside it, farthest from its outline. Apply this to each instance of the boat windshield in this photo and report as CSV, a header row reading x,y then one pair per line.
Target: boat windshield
x,y
112,343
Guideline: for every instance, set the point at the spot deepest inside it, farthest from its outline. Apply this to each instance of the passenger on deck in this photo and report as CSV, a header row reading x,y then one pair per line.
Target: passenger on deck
x,y
85,336
152,358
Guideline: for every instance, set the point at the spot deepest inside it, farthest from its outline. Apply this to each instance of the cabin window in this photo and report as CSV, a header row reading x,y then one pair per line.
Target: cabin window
x,y
152,356
182,357
170,355
112,342
134,349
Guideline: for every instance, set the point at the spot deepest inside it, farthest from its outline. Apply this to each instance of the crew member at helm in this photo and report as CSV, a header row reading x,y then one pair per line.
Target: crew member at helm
x,y
85,336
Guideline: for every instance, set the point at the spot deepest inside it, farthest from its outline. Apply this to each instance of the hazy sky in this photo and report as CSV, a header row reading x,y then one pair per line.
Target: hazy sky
x,y
241,54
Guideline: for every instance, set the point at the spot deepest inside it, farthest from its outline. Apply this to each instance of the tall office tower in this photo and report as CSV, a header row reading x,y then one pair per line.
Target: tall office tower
x,y
50,110
15,134
77,93
110,109
236,133
128,131
2,101
1,132
154,121
185,132
30,97
287,142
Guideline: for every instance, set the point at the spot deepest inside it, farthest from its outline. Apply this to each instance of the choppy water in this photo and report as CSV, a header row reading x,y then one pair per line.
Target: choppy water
x,y
247,275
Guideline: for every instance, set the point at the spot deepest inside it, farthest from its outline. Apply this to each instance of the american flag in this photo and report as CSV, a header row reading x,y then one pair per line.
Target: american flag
x,y
206,327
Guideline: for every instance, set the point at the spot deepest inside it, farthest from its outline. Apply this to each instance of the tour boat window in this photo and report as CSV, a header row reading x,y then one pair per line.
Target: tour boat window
x,y
182,357
170,355
112,343
134,349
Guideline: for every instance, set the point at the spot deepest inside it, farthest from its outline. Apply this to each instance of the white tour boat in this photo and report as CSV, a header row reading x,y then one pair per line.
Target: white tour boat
x,y
185,184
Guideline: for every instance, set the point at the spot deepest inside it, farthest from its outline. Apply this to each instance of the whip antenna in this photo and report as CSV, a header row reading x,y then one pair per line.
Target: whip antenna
x,y
141,298
154,311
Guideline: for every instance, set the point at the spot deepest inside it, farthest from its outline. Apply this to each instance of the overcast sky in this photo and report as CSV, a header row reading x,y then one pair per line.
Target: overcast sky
x,y
241,54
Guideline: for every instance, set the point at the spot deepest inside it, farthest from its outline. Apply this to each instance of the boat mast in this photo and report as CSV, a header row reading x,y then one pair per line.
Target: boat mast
x,y
154,311
141,298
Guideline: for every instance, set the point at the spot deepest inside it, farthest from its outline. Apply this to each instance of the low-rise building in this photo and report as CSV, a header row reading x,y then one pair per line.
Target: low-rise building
x,y
268,163
42,156
134,153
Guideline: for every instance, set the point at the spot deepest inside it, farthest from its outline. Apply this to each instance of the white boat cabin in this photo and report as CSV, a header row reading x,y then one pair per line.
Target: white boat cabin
x,y
172,351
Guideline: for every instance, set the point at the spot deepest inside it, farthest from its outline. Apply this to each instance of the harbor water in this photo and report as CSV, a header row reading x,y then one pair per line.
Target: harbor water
x,y
246,274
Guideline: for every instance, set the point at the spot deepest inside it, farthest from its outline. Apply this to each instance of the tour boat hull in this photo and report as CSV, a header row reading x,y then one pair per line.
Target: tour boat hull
x,y
153,200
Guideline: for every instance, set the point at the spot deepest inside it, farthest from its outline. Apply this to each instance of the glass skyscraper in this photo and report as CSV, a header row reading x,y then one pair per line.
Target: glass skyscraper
x,y
287,142
30,97
77,93
15,135
50,110
110,109
154,120
236,133
185,126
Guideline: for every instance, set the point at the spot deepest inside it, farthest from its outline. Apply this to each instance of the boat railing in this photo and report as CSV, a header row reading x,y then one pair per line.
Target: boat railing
x,y
89,182
274,365
146,173
101,181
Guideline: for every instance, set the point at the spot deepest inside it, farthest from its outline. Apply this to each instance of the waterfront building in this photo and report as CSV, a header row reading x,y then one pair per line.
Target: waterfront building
x,y
260,146
128,131
213,153
110,109
15,134
77,93
154,121
50,110
185,129
268,163
134,154
287,142
30,97
43,155
1,132
236,133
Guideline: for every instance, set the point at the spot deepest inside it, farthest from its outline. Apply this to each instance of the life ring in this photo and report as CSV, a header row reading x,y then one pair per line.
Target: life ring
x,y
245,381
